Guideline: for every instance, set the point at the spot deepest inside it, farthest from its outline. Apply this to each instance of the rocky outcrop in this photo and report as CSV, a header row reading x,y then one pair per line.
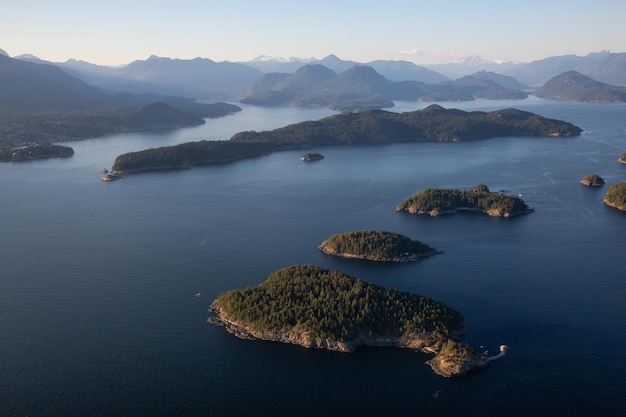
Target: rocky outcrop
x,y
592,180
450,367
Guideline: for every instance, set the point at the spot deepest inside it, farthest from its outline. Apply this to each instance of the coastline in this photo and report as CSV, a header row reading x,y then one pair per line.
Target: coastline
x,y
613,205
426,343
413,257
492,213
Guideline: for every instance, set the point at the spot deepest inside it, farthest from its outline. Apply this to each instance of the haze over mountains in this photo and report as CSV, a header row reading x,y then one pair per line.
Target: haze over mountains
x,y
53,102
207,80
343,85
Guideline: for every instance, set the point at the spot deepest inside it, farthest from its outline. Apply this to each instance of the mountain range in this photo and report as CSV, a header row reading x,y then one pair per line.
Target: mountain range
x,y
362,87
43,101
207,80
29,81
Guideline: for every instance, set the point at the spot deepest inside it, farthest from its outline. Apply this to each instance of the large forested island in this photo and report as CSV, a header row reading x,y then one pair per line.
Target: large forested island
x,y
380,246
434,123
616,196
319,308
437,201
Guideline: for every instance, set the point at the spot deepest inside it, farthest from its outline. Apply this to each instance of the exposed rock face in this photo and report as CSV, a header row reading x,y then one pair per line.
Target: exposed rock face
x,y
304,339
614,205
445,367
436,212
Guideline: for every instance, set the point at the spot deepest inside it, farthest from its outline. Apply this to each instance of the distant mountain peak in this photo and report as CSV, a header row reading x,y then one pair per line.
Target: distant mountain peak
x,y
29,57
3,52
473,60
268,58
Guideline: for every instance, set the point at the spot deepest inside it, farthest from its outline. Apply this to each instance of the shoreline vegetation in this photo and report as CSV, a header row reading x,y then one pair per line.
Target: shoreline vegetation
x,y
439,201
616,196
325,309
377,246
433,123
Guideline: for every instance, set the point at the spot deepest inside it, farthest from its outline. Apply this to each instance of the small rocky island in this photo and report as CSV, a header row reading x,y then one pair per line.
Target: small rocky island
x,y
616,196
35,151
437,201
319,308
622,158
380,246
592,180
311,156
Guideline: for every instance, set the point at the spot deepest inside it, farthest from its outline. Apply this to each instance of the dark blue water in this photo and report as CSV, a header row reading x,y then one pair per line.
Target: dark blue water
x,y
98,308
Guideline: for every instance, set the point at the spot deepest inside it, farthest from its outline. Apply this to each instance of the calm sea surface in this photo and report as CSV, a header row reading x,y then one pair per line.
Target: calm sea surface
x,y
104,287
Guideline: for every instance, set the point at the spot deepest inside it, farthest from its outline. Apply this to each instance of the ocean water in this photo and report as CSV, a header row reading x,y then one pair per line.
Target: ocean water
x,y
104,287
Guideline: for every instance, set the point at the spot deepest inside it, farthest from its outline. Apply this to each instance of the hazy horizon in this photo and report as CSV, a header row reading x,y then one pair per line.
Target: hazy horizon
x,y
298,59
116,33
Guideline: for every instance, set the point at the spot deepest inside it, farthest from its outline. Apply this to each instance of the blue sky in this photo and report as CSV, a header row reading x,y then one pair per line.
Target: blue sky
x,y
117,32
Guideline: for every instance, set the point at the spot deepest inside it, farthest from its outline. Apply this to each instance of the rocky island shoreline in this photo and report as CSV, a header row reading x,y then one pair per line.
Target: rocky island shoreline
x,y
322,309
408,257
439,201
377,246
446,365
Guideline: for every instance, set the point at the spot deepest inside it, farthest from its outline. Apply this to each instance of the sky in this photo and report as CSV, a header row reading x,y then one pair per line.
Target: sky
x,y
118,32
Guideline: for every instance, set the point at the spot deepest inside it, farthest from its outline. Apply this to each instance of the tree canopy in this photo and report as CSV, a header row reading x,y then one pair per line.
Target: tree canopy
x,y
330,304
616,196
375,245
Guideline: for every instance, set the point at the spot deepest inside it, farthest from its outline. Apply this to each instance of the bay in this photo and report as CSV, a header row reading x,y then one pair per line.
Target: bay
x,y
104,287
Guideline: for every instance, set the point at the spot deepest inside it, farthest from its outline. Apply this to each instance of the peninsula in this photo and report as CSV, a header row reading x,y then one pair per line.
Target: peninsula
x,y
380,246
616,196
434,123
319,308
437,201
34,151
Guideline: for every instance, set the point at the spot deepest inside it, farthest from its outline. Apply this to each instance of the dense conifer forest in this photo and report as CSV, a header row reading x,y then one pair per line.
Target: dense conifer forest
x,y
375,245
616,196
330,304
